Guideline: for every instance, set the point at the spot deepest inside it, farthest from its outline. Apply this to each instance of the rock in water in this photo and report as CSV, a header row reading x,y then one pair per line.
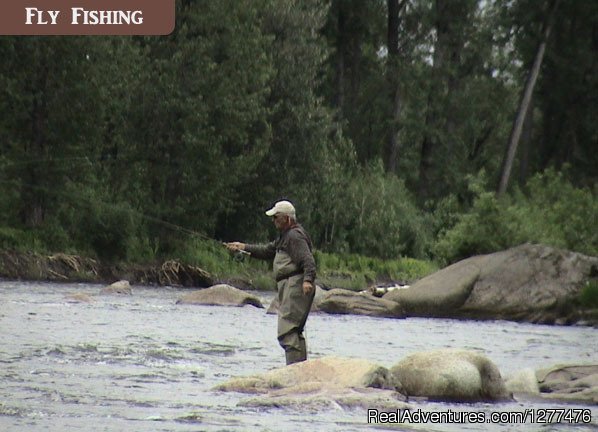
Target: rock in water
x,y
120,287
220,295
327,371
532,283
320,383
575,383
340,301
523,382
450,375
79,298
440,293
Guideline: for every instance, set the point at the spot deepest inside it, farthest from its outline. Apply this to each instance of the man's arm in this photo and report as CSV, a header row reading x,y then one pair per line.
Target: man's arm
x,y
300,253
261,251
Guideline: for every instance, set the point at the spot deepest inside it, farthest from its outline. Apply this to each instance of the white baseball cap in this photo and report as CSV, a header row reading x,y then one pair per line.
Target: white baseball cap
x,y
282,207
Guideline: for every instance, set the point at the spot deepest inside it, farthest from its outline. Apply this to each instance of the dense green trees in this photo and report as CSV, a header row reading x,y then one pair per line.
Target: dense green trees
x,y
386,122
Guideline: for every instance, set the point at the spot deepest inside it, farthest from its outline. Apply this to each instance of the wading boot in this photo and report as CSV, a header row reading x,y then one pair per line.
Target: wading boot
x,y
303,348
294,356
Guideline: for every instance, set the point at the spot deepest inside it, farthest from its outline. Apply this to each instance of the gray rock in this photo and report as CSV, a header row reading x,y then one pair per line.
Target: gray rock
x,y
340,301
532,283
449,375
319,384
439,293
577,383
119,287
220,295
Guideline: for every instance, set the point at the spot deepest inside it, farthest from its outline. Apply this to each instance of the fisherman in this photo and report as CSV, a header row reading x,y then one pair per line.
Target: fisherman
x,y
295,273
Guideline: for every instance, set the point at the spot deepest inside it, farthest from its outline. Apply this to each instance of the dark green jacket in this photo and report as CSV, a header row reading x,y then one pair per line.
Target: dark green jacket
x,y
295,243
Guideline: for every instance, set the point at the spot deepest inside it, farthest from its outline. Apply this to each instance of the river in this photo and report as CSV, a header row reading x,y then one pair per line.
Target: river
x,y
143,363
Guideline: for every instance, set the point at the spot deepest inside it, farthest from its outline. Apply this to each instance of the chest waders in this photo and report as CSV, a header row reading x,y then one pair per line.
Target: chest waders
x,y
294,306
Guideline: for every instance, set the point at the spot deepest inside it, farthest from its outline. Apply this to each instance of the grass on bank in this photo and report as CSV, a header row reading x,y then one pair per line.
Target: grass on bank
x,y
348,271
588,297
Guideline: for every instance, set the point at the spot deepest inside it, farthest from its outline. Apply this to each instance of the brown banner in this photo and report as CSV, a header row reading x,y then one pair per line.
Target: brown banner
x,y
86,17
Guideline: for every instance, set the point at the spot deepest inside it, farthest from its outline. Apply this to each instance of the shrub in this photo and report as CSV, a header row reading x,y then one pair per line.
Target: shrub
x,y
483,230
10,238
374,215
549,210
356,271
588,296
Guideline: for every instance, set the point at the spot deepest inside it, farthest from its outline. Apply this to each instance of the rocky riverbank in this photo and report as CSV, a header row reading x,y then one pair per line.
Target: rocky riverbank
x,y
528,283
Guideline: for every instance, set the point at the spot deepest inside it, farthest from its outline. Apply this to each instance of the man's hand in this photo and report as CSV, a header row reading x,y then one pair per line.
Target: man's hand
x,y
308,287
235,246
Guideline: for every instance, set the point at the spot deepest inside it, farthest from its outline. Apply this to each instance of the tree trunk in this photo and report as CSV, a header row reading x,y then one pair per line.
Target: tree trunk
x,y
340,63
446,58
526,98
34,209
392,144
526,141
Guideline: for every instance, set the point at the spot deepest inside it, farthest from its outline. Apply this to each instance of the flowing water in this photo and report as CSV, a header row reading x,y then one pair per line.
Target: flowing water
x,y
143,363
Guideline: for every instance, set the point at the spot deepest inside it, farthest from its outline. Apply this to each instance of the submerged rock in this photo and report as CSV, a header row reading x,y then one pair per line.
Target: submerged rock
x,y
450,375
569,383
79,298
313,397
120,287
340,301
220,295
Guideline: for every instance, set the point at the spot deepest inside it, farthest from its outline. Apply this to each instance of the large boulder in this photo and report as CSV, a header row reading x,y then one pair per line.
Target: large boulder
x,y
121,287
320,383
220,295
449,375
575,383
532,283
340,301
439,293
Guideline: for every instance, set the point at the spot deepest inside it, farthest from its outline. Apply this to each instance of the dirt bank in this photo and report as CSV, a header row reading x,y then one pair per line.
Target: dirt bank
x,y
72,268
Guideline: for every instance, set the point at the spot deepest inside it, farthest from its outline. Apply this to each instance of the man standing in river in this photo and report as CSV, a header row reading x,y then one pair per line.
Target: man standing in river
x,y
295,273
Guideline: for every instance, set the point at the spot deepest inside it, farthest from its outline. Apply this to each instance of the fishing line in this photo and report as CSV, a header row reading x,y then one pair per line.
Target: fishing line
x,y
47,159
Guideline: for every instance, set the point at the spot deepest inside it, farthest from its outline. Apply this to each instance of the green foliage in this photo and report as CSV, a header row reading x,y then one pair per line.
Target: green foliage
x,y
210,256
108,229
356,272
214,258
15,239
548,210
588,296
483,230
375,215
552,210
108,144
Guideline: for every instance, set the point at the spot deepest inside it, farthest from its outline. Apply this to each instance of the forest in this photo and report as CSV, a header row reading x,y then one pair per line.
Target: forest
x,y
427,129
